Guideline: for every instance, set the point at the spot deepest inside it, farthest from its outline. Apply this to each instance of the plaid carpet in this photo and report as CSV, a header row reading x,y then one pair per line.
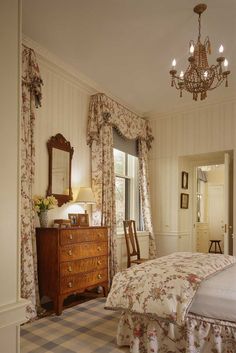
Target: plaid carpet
x,y
85,328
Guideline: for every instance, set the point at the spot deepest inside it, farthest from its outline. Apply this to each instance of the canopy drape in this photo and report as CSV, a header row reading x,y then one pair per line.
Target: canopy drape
x,y
31,99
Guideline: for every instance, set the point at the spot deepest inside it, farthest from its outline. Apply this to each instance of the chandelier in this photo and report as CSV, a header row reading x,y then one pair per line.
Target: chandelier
x,y
199,77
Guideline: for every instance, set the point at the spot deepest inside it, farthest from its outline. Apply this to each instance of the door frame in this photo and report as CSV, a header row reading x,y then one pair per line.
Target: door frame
x,y
210,159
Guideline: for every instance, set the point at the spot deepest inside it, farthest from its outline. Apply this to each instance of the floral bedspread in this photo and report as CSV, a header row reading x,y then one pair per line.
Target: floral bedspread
x,y
165,287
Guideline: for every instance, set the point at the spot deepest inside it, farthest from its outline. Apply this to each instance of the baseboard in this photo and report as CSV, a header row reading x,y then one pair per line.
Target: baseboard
x,y
13,314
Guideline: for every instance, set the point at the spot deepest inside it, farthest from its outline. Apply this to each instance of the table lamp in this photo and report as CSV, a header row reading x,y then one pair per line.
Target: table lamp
x,y
85,196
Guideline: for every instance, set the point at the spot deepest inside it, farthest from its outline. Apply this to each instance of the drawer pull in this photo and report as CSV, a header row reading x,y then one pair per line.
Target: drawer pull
x,y
70,284
99,276
99,248
70,252
69,269
99,235
70,236
99,262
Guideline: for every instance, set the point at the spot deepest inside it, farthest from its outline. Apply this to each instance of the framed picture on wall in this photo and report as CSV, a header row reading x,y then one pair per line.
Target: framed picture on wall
x,y
184,183
184,198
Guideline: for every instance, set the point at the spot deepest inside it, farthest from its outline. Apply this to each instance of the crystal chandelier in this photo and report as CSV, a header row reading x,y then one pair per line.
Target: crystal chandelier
x,y
199,76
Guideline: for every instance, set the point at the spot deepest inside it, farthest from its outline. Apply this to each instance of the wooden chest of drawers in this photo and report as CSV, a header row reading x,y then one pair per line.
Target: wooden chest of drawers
x,y
71,260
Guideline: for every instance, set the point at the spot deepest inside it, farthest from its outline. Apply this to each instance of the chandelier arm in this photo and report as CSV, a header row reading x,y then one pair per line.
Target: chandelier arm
x,y
176,83
217,84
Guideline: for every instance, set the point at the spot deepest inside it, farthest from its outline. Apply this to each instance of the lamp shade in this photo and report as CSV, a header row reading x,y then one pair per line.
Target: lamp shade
x,y
86,196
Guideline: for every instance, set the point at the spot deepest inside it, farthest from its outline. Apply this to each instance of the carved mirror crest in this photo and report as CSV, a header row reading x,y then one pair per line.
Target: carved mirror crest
x,y
60,155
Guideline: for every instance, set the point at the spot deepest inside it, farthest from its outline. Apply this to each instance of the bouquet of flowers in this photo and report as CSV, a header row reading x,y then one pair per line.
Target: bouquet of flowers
x,y
44,203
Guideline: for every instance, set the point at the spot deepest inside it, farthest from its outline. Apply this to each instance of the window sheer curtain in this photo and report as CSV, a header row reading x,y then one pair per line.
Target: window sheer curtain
x,y
31,99
104,114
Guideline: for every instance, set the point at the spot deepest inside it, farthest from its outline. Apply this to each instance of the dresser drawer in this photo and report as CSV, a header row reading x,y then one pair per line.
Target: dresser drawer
x,y
80,281
71,236
82,251
85,265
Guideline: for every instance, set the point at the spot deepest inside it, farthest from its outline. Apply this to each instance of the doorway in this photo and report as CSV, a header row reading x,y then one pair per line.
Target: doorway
x,y
213,203
210,206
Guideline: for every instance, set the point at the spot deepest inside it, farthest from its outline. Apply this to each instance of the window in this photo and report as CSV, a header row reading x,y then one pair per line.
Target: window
x,y
126,187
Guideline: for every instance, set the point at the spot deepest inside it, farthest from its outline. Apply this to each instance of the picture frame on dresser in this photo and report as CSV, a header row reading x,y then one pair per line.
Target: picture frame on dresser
x,y
79,219
73,217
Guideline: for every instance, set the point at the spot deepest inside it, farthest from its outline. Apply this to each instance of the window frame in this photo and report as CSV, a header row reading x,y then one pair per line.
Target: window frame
x,y
132,194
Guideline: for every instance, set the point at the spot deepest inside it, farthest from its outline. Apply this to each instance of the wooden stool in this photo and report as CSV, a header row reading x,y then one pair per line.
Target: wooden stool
x,y
217,244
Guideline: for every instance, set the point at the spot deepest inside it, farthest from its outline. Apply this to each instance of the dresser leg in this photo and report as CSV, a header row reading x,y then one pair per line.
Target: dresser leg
x,y
58,305
105,291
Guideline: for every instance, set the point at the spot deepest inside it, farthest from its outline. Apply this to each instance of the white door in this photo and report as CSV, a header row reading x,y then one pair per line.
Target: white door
x,y
216,213
228,204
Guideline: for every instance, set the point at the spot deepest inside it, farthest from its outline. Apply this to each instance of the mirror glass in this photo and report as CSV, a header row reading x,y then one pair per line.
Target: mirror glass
x,y
60,171
60,156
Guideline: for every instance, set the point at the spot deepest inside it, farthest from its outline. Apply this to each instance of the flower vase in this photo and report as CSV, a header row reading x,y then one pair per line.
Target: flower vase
x,y
43,219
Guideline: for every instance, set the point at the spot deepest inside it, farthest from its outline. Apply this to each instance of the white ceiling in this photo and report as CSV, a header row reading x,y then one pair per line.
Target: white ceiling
x,y
126,46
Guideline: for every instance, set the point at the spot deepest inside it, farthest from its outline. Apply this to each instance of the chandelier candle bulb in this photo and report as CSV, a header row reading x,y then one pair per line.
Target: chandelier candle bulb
x,y
221,49
191,49
226,63
181,75
173,63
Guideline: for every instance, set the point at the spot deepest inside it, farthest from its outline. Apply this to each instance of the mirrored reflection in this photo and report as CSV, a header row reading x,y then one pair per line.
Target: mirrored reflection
x,y
60,171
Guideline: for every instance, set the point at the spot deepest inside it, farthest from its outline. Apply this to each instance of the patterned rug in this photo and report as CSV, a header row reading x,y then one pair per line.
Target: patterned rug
x,y
85,328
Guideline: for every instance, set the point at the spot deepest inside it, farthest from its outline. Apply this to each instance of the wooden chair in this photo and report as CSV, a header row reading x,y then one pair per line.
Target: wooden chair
x,y
132,244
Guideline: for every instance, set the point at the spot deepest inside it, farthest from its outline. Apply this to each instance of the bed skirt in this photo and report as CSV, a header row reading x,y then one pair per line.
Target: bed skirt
x,y
199,335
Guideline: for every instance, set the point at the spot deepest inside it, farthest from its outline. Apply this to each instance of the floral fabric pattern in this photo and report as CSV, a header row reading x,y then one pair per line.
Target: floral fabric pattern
x,y
198,335
31,98
164,288
104,114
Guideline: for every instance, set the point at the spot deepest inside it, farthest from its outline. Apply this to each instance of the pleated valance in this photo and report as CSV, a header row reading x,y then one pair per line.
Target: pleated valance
x,y
105,111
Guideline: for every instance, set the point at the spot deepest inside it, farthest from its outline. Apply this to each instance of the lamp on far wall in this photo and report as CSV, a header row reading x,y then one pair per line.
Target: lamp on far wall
x,y
86,197
199,76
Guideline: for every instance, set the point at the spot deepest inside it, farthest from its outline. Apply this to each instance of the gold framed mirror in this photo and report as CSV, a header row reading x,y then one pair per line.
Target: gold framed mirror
x,y
60,155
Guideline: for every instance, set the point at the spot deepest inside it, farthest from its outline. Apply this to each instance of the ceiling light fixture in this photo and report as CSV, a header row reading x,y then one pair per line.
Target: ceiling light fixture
x,y
199,76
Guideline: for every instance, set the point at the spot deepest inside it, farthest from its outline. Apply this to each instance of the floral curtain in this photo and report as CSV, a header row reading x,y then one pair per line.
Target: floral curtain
x,y
31,99
104,114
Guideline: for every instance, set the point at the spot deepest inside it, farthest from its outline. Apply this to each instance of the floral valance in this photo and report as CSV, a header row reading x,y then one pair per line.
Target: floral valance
x,y
31,75
105,111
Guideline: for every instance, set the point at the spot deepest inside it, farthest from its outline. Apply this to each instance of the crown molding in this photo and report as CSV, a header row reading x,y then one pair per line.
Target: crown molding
x,y
189,107
68,72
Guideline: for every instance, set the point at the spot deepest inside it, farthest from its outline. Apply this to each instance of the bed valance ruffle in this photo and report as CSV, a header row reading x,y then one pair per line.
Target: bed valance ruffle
x,y
105,111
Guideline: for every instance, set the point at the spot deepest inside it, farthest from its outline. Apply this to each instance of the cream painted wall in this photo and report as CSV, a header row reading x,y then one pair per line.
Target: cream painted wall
x,y
205,129
64,110
12,310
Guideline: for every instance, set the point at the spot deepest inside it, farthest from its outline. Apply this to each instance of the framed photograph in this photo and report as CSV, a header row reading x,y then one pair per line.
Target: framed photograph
x,y
73,217
184,184
79,219
184,200
83,219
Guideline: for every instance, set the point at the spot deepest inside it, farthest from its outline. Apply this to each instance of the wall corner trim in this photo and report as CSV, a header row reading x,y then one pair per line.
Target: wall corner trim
x,y
13,314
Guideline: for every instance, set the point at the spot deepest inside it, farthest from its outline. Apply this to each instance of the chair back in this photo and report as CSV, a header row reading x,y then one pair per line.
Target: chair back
x,y
131,239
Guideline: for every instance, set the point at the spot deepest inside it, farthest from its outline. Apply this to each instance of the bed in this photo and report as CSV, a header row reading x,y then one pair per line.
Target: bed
x,y
180,303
